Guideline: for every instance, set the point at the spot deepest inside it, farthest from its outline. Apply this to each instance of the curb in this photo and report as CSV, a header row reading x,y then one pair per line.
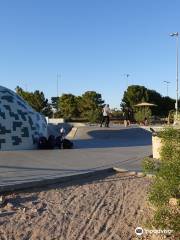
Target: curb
x,y
132,173
50,181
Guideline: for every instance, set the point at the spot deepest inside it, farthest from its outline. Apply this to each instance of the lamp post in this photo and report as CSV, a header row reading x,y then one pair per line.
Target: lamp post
x,y
126,75
58,75
167,86
176,34
57,86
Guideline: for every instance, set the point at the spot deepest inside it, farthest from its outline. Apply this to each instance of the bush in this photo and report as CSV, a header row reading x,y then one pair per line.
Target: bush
x,y
171,116
149,165
142,113
166,184
94,116
167,218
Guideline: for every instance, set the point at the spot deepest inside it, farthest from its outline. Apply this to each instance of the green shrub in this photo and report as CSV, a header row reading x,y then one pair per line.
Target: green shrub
x,y
166,183
149,165
142,113
171,116
94,116
166,218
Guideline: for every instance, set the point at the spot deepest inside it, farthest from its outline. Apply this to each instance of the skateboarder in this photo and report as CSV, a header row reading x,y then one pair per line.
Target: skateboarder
x,y
106,114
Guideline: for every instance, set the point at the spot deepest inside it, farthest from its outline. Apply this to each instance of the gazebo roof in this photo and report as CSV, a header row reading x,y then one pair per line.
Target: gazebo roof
x,y
145,104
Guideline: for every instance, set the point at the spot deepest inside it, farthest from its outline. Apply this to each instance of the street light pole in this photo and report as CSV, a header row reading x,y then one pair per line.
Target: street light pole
x,y
127,75
57,86
176,34
58,76
167,86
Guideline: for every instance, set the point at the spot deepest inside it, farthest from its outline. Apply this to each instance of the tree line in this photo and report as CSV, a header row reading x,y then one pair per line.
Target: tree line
x,y
136,94
89,105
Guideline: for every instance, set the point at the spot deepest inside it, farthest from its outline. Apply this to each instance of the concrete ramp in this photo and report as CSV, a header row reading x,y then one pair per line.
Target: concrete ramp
x,y
114,137
54,129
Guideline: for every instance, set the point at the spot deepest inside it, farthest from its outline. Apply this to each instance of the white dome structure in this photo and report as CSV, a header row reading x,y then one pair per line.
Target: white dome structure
x,y
20,125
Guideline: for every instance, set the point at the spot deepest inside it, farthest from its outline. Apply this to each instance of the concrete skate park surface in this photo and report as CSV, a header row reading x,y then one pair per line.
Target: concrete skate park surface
x,y
95,149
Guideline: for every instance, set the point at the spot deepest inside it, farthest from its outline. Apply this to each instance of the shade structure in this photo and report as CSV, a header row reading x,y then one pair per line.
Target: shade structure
x,y
145,104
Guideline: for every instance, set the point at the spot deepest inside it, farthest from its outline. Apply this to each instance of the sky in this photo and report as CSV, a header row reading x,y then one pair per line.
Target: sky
x,y
92,44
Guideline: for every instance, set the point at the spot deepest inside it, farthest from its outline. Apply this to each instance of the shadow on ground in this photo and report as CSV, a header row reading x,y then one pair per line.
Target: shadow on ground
x,y
131,137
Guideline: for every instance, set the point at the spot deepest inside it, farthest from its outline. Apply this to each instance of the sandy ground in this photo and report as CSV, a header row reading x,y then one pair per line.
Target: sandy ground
x,y
107,207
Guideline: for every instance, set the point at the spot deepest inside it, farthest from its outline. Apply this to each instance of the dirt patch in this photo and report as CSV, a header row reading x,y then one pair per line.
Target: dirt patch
x,y
108,208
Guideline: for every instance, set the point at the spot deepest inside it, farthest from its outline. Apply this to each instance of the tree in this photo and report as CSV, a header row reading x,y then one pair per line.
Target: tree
x,y
137,94
164,104
55,103
79,105
91,100
88,106
168,104
91,106
134,94
36,100
68,106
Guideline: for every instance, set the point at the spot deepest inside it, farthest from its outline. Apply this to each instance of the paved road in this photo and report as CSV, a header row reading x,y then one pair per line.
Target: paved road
x,y
95,149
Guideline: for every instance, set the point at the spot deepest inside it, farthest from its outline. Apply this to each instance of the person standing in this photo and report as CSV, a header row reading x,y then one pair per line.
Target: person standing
x,y
125,119
145,121
127,116
106,115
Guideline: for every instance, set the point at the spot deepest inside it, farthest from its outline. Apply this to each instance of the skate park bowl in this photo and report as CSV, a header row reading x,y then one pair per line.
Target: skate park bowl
x,y
111,137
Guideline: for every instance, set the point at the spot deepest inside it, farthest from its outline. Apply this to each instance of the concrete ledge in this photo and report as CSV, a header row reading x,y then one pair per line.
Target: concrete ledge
x,y
78,124
72,133
50,181
140,174
121,170
55,120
